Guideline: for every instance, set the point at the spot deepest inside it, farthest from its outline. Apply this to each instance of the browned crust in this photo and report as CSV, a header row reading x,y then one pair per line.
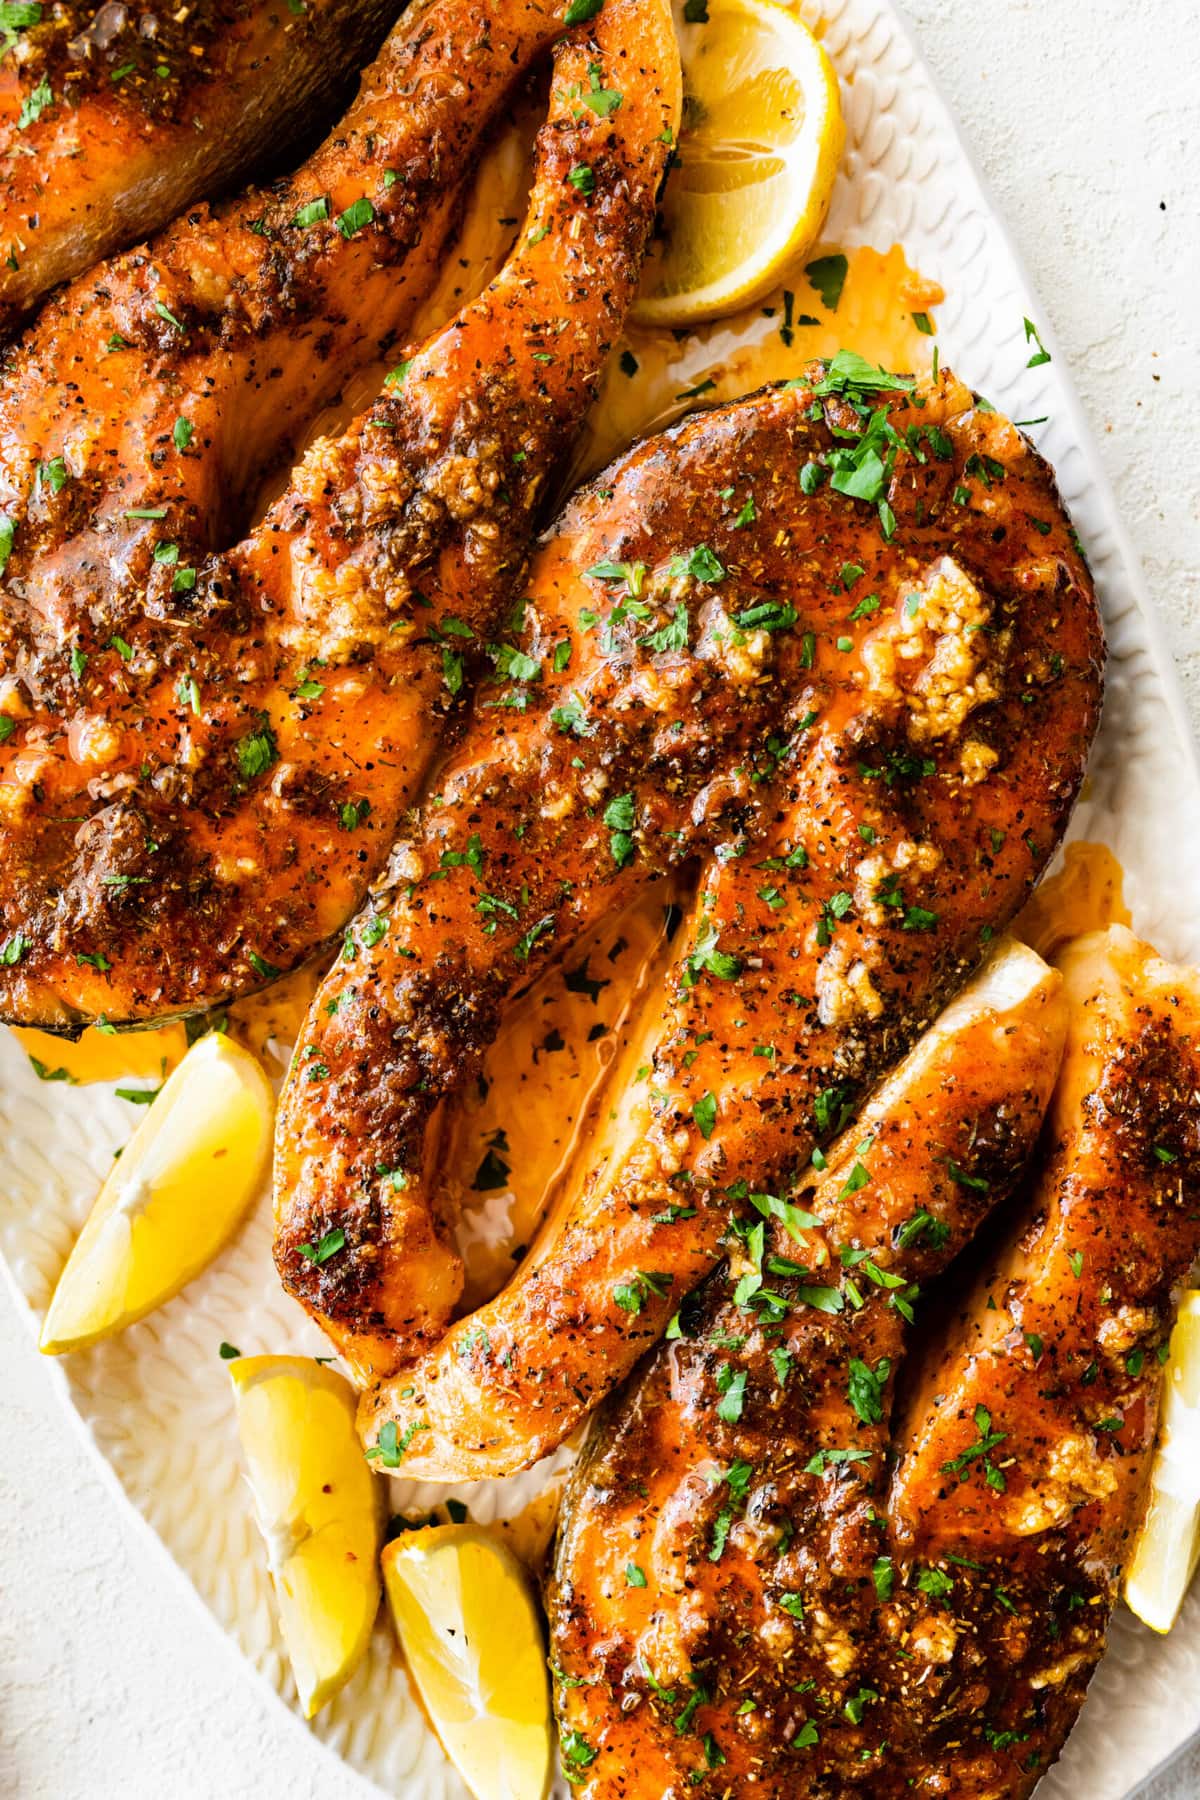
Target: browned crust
x,y
112,118
694,740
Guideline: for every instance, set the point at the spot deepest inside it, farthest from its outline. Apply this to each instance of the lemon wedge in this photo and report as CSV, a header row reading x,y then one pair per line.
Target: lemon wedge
x,y
175,1196
320,1510
758,151
1168,1546
467,1622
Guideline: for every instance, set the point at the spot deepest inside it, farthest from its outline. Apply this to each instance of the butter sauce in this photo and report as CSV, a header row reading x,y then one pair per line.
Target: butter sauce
x,y
1086,894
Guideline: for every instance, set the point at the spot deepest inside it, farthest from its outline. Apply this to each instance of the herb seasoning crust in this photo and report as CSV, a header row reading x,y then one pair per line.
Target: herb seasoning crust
x,y
205,751
119,116
867,711
840,1595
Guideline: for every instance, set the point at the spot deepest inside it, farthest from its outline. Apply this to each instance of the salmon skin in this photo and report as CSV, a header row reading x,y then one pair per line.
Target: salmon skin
x,y
206,744
773,1577
114,118
868,731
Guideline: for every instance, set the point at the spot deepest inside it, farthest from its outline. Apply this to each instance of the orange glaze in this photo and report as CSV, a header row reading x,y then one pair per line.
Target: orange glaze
x,y
101,1054
924,1618
492,214
518,810
874,316
1086,894
267,1023
196,713
113,119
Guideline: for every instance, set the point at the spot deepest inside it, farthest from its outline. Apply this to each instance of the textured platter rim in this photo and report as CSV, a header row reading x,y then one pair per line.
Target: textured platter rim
x,y
1123,579
160,1552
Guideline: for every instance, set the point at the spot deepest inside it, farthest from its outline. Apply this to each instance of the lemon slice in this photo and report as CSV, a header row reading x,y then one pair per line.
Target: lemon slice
x,y
466,1619
1168,1546
320,1511
758,151
175,1196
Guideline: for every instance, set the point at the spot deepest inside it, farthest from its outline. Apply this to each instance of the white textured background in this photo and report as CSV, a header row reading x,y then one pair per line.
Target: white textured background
x,y
1085,117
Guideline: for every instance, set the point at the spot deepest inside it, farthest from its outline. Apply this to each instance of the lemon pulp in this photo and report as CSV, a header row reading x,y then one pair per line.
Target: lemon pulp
x,y
320,1512
761,137
469,1627
174,1197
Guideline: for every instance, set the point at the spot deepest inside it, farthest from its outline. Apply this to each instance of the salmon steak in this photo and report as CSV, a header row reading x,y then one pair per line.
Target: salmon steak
x,y
834,649
113,119
208,740
819,1547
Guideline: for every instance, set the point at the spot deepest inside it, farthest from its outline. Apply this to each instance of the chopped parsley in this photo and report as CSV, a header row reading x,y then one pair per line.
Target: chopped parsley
x,y
827,275
392,1443
866,1388
330,1244
256,752
980,1451
631,1296
619,817
311,214
34,105
700,563
358,214
731,1386
707,957
1041,354
704,1112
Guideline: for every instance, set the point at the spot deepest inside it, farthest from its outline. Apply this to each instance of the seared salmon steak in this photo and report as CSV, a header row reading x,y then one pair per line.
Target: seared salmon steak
x,y
867,717
114,118
772,1577
207,743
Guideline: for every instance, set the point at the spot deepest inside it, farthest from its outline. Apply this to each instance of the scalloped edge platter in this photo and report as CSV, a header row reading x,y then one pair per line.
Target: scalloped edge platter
x,y
153,1406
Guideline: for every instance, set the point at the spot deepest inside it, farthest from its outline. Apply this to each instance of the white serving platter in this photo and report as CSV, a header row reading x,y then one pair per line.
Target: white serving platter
x,y
153,1406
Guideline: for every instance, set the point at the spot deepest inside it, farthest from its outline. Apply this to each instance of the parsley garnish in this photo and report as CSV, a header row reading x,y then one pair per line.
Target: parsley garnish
x,y
866,1388
359,213
704,1112
311,214
1041,354
392,1445
34,105
330,1244
699,562
631,1295
257,752
768,615
828,276
671,636
619,817
706,956
979,1451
